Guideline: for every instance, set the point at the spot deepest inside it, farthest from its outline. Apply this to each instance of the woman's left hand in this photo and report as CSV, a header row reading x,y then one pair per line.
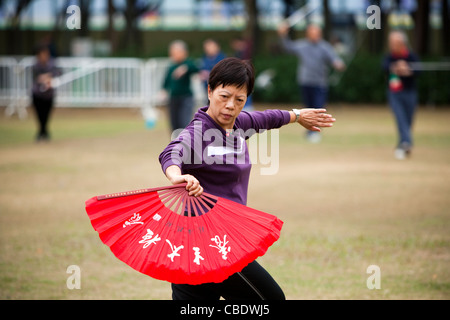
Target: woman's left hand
x,y
179,71
313,119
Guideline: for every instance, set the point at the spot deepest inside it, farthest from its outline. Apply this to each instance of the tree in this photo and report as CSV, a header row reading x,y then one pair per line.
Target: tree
x,y
84,11
111,36
422,27
327,19
131,38
13,38
377,37
445,14
252,30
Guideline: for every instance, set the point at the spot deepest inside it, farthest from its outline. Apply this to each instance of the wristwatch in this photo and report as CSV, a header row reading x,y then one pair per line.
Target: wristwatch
x,y
297,114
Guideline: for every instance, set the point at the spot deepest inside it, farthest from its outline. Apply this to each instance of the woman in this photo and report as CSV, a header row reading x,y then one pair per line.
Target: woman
x,y
218,163
42,92
402,92
177,84
212,55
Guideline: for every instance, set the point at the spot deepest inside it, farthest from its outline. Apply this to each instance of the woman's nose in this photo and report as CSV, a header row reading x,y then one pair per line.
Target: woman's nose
x,y
230,104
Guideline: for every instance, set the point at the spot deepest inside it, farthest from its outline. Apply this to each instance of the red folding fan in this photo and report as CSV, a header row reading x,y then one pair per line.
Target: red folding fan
x,y
169,235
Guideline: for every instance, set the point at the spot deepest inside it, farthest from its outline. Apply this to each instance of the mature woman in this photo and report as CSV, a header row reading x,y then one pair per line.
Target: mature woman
x,y
211,155
402,92
42,92
177,85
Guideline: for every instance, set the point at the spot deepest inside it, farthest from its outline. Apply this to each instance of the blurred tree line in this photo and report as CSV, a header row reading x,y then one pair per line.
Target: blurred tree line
x,y
131,36
362,82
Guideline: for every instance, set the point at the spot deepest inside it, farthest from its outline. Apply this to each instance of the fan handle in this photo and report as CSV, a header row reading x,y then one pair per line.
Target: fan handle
x,y
146,190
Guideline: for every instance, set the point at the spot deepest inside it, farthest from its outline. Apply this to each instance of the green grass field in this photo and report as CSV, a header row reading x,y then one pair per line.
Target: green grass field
x,y
346,204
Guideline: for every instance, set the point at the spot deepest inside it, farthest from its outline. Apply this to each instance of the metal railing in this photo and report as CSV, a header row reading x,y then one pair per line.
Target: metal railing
x,y
90,82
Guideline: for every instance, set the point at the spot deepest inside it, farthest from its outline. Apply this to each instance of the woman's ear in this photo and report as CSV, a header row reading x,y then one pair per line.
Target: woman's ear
x,y
209,92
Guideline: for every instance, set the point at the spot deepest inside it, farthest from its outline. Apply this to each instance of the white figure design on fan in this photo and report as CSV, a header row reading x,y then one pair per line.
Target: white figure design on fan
x,y
221,246
133,220
175,250
148,239
198,257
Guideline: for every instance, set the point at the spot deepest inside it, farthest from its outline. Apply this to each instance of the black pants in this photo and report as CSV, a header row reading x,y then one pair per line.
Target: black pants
x,y
252,283
43,108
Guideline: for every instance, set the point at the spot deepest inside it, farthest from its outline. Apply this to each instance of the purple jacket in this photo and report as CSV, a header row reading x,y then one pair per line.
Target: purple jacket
x,y
219,161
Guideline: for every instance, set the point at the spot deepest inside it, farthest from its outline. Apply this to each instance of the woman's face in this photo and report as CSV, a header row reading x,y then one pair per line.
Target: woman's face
x,y
225,104
43,56
177,54
211,48
396,43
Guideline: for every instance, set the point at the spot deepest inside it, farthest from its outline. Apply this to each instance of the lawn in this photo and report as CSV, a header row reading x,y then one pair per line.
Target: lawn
x,y
346,204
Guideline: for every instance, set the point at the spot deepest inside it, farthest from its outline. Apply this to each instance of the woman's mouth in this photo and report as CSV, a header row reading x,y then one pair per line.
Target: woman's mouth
x,y
226,116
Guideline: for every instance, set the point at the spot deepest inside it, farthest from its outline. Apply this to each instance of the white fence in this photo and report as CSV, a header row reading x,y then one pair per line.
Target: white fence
x,y
90,82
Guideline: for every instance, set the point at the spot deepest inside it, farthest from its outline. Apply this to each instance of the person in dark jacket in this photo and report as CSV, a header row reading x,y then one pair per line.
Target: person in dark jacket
x,y
43,93
402,92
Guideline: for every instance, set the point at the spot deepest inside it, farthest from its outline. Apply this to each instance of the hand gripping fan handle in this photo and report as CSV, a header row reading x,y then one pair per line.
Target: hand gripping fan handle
x,y
148,190
139,191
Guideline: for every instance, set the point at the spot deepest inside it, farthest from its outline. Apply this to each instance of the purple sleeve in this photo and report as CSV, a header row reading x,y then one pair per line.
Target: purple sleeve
x,y
263,120
170,157
177,151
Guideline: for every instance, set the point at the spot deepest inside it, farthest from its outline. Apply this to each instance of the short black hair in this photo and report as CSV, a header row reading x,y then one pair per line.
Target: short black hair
x,y
233,72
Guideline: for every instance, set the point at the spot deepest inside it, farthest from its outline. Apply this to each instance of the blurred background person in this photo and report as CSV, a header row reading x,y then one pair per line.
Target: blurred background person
x,y
242,49
177,85
43,93
212,55
315,57
402,92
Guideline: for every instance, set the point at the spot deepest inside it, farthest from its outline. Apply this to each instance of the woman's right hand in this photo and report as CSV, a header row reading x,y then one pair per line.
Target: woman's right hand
x,y
402,68
173,173
179,71
313,119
